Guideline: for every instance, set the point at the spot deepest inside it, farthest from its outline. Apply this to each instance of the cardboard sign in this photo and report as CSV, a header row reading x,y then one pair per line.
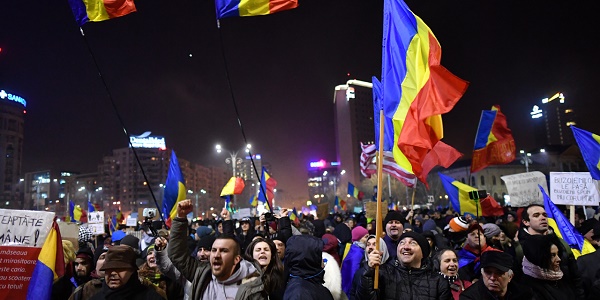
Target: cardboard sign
x,y
322,211
573,188
523,188
96,222
371,210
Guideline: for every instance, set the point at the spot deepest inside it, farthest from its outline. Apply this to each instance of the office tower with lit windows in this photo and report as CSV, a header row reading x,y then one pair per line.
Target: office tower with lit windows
x,y
323,181
353,107
12,113
552,118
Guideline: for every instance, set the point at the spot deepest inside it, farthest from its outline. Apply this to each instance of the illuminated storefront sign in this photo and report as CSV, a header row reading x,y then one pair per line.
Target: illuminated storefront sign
x,y
146,141
8,96
323,164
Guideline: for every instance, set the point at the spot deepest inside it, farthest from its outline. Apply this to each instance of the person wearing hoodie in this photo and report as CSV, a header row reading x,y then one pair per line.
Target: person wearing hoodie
x,y
226,275
371,243
304,259
331,246
354,256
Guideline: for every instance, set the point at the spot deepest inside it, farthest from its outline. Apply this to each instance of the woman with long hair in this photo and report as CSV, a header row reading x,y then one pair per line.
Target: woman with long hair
x,y
264,252
445,263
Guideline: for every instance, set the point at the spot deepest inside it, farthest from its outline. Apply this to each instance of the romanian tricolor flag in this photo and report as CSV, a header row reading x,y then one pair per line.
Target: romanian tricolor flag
x,y
267,185
76,213
458,193
112,224
564,229
253,201
494,143
119,217
294,216
354,192
49,267
174,190
234,186
417,90
228,205
91,207
100,10
248,8
589,145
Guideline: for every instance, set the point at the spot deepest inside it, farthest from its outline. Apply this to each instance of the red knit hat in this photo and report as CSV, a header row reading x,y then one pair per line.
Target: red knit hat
x,y
358,233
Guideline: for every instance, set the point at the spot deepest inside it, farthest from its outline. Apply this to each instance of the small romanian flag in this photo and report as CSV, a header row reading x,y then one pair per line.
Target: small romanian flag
x,y
234,186
248,8
100,10
354,192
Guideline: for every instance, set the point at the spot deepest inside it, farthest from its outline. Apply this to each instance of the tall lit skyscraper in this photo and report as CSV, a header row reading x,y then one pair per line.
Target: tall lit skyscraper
x,y
353,104
552,119
12,112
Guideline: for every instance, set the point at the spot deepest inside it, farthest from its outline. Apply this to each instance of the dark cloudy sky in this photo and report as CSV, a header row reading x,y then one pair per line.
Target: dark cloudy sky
x,y
283,69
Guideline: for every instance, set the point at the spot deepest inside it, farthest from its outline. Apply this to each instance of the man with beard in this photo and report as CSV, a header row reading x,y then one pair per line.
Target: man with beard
x,y
385,255
226,275
535,222
406,277
82,270
393,229
121,277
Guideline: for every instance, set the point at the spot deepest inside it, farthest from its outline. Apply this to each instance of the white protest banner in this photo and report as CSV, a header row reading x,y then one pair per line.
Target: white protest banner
x,y
244,212
132,219
523,188
22,234
96,222
573,188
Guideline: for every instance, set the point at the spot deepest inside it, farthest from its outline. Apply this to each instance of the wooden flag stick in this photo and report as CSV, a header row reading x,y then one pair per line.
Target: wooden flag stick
x,y
378,221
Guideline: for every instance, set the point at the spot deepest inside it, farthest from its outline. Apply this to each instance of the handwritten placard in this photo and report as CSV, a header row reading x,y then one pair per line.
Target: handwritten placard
x,y
523,188
24,227
96,222
573,188
371,209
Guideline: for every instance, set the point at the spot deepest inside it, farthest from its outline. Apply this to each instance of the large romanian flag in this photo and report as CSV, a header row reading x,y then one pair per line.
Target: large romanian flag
x,y
100,10
248,8
174,190
49,267
417,90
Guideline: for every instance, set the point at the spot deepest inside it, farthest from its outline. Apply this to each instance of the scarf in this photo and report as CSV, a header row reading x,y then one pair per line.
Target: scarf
x,y
127,291
539,273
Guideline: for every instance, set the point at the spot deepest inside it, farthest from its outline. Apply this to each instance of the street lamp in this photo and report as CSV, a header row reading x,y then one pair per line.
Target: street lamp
x,y
233,158
526,160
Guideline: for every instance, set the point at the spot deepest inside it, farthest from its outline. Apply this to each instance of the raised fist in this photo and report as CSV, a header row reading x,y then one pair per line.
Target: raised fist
x,y
184,207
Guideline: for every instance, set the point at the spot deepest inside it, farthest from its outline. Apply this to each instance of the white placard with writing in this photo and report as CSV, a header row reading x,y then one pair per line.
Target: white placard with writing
x,y
132,219
523,188
24,227
573,188
96,222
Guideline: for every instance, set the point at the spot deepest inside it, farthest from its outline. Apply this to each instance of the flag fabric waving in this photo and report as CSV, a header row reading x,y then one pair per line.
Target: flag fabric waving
x,y
294,216
416,90
174,190
354,192
112,224
267,184
458,193
368,166
49,267
91,207
253,201
234,186
249,8
494,143
564,229
100,10
76,213
589,145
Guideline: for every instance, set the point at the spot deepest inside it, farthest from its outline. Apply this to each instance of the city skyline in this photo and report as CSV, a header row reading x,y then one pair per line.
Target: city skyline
x,y
165,70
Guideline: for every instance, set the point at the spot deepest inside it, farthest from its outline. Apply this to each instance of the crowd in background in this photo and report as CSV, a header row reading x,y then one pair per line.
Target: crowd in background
x,y
422,254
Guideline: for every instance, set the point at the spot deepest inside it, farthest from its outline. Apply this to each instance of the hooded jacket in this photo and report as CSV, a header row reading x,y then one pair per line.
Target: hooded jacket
x,y
199,273
304,261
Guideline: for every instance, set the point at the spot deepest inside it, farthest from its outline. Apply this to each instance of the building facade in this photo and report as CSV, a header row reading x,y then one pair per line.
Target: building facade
x,y
12,118
552,118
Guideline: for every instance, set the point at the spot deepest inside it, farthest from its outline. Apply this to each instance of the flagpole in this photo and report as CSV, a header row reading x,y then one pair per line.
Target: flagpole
x,y
378,221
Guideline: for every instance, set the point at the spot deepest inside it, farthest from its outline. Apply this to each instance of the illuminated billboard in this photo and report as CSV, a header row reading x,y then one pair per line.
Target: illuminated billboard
x,y
144,140
12,97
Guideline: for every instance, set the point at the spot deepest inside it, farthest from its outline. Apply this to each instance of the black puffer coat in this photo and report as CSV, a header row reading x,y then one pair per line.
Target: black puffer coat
x,y
398,282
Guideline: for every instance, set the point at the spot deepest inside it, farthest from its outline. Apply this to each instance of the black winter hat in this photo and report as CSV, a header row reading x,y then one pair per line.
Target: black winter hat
x,y
394,215
420,239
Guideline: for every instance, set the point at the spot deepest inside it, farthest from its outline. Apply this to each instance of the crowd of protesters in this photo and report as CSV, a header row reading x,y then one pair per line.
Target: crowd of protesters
x,y
422,254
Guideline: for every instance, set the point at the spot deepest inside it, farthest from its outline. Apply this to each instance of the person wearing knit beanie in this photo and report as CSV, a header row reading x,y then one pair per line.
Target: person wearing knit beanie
x,y
204,247
394,227
491,230
458,224
358,233
407,254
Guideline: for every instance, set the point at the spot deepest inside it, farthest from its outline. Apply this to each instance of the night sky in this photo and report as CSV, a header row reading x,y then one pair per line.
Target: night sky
x,y
283,69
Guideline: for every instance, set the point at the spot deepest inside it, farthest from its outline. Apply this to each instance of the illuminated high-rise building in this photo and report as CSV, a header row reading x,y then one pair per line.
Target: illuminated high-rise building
x,y
552,118
12,112
353,106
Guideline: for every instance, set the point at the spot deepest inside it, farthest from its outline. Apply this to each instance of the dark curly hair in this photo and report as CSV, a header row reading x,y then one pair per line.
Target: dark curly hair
x,y
272,274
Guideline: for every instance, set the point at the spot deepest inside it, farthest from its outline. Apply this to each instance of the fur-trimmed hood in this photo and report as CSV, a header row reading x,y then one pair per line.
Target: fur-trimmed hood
x,y
333,277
